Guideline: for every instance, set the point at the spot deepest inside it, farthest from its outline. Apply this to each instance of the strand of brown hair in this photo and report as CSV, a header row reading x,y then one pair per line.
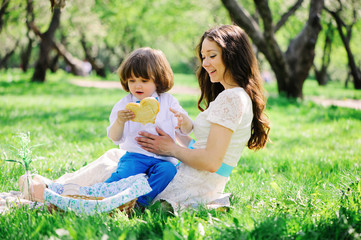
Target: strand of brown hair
x,y
260,123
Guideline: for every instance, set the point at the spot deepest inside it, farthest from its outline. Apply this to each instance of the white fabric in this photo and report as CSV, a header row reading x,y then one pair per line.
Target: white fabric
x,y
165,120
11,199
95,172
190,187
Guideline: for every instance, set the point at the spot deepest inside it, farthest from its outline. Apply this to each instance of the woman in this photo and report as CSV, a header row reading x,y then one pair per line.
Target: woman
x,y
233,116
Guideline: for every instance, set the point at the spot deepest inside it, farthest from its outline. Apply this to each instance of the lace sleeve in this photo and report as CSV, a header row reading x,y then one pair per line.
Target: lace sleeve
x,y
226,110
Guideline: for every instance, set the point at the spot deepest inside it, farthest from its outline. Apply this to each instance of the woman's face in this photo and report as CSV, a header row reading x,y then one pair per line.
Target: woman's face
x,y
212,62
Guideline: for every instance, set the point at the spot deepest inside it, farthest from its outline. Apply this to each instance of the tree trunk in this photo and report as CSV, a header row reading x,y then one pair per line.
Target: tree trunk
x,y
96,64
4,6
76,65
53,66
4,60
26,54
321,75
291,68
56,4
347,79
46,46
301,51
355,71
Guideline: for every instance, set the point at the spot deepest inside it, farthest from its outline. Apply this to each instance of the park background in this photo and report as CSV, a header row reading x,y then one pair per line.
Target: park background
x,y
303,185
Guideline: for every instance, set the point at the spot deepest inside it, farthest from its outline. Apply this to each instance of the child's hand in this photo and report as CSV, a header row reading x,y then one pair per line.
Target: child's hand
x,y
125,115
179,116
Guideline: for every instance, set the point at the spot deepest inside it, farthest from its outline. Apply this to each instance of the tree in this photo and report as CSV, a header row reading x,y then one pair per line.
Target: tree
x,y
292,66
15,29
76,65
26,53
46,45
96,64
321,73
57,4
109,30
4,60
3,11
10,35
171,26
345,32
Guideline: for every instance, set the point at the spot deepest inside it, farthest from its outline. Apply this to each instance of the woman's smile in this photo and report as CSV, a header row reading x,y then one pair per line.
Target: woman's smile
x,y
211,72
212,60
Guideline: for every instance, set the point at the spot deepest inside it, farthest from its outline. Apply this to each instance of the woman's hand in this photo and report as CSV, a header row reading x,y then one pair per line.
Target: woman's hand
x,y
161,145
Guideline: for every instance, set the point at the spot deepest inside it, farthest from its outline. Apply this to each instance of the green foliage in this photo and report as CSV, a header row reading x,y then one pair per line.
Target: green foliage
x,y
303,185
114,28
339,69
23,151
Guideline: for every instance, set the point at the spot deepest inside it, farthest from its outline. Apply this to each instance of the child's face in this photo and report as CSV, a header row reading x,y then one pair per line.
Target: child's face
x,y
141,87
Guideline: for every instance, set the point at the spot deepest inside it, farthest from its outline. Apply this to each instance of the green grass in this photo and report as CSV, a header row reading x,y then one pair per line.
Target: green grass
x,y
304,185
333,90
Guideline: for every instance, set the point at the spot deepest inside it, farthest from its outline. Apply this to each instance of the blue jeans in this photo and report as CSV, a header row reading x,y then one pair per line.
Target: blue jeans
x,y
160,173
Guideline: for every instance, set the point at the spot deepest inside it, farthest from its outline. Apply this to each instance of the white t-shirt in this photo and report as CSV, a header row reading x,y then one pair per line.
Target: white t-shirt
x,y
165,120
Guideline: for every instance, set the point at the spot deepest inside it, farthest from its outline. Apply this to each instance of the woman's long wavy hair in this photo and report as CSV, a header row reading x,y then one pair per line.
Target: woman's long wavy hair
x,y
241,63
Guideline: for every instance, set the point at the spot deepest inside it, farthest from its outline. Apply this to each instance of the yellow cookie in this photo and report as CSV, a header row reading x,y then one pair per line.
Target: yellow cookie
x,y
146,111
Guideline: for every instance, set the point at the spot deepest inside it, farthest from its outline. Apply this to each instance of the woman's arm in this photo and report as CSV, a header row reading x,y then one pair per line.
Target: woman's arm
x,y
208,159
182,139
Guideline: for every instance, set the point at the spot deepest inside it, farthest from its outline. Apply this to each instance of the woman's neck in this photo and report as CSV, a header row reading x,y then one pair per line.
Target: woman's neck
x,y
229,83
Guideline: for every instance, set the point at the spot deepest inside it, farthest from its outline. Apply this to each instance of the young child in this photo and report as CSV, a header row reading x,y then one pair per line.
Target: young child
x,y
146,73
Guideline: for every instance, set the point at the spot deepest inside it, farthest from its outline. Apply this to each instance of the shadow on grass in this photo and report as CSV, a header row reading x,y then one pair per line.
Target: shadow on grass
x,y
345,224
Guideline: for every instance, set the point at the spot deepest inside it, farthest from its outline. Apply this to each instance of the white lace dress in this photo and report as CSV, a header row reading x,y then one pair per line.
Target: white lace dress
x,y
190,187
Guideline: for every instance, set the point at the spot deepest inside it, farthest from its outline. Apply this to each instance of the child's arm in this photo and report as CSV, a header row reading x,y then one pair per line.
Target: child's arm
x,y
183,140
185,124
116,130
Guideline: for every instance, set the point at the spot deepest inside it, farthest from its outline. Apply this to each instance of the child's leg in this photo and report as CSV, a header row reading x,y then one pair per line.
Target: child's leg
x,y
160,175
129,165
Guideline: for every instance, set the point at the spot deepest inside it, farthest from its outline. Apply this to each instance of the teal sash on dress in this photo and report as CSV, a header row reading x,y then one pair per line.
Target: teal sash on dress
x,y
225,170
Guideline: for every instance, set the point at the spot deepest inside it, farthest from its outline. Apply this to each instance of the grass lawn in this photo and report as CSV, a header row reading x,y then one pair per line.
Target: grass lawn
x,y
303,185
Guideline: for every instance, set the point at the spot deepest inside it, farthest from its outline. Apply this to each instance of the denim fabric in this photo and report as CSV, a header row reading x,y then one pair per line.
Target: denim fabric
x,y
159,172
